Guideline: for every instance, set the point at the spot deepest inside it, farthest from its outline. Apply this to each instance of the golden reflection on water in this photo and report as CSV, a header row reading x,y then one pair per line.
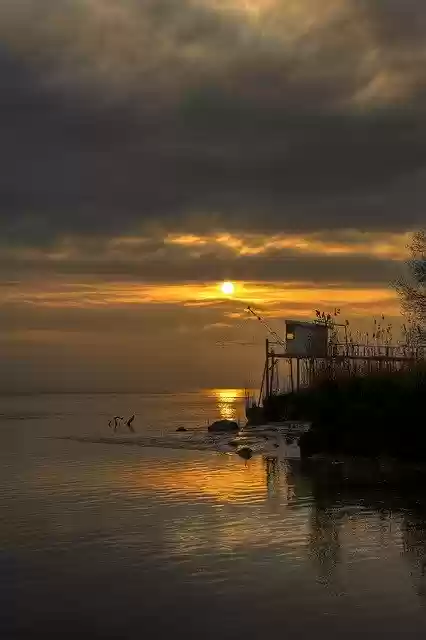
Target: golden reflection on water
x,y
223,480
220,504
223,483
228,401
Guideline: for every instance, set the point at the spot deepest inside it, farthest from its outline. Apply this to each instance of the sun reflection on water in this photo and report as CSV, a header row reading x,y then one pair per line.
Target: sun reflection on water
x,y
228,401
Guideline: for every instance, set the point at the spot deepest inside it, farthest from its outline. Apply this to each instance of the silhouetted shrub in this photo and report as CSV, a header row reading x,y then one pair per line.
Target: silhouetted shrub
x,y
380,414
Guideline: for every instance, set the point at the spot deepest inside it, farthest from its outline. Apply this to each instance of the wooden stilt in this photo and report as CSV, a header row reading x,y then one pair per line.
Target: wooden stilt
x,y
291,374
268,379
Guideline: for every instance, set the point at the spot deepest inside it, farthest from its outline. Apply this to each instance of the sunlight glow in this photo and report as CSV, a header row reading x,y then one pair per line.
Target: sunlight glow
x,y
277,299
227,288
227,402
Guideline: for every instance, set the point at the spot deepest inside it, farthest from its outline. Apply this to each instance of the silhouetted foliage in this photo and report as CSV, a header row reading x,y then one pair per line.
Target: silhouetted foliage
x,y
412,289
381,414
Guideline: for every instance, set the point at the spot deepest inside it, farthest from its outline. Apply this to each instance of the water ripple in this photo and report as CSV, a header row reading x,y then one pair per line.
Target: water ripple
x,y
170,528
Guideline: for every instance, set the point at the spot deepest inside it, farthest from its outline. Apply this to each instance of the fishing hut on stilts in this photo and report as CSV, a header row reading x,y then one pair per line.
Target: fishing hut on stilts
x,y
326,348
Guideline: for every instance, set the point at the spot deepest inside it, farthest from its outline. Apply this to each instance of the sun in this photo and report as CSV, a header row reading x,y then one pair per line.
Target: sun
x,y
227,288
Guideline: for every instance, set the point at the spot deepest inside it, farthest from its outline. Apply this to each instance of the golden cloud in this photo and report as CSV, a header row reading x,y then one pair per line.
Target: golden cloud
x,y
391,246
275,300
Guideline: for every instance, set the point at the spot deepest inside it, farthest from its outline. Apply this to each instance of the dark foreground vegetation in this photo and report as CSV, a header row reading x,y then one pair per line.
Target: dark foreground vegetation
x,y
380,414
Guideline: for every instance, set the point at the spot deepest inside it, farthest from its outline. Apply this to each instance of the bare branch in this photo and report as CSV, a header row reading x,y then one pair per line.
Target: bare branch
x,y
412,289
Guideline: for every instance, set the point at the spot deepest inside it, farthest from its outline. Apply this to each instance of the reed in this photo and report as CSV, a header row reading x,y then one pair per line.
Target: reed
x,y
375,414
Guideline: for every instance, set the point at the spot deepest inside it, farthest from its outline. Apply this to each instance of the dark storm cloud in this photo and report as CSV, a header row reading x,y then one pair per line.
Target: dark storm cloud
x,y
398,22
157,263
116,117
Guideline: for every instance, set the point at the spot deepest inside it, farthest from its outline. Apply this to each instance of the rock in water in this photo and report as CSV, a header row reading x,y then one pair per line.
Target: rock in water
x,y
181,429
245,452
223,426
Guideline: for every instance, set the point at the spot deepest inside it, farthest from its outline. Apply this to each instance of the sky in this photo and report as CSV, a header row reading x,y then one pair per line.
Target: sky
x,y
151,149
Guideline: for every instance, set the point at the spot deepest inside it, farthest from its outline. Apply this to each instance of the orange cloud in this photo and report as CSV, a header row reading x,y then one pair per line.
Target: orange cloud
x,y
350,243
274,300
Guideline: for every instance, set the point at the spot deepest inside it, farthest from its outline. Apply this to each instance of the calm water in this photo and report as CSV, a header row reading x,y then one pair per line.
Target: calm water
x,y
180,539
